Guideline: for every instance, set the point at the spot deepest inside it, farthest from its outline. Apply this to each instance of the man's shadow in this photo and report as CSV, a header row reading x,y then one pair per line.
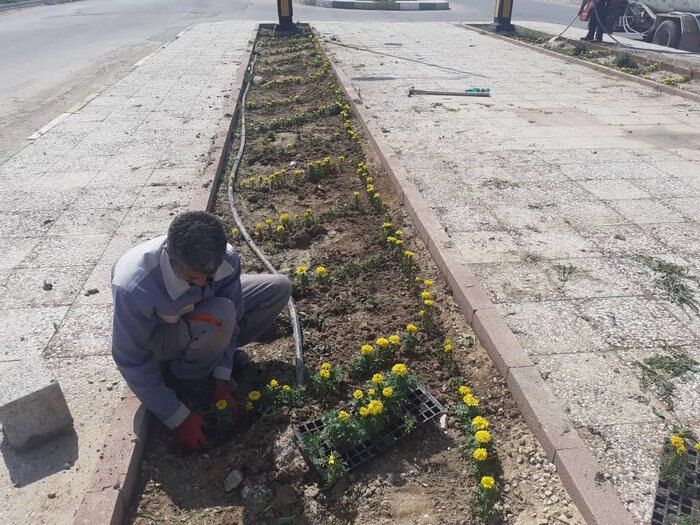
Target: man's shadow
x,y
27,466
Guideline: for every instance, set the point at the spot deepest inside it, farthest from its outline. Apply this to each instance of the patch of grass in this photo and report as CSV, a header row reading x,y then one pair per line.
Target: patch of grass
x,y
660,371
581,50
564,271
673,280
353,269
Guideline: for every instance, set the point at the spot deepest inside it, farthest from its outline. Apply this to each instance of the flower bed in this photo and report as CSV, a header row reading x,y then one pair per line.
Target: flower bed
x,y
374,309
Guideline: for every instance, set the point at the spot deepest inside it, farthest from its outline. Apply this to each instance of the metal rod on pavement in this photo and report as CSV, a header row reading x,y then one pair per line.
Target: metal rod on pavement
x,y
412,92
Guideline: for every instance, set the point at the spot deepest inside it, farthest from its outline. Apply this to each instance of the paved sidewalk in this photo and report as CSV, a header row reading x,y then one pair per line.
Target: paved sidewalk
x,y
107,176
561,166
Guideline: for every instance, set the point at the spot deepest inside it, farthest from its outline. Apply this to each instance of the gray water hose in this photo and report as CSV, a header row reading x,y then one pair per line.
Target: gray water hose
x,y
296,326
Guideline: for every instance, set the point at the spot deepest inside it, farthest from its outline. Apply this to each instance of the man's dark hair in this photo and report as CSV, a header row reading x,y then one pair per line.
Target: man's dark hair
x,y
197,241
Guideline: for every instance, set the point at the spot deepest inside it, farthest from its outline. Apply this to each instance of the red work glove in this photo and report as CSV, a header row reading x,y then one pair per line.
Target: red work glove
x,y
224,392
190,434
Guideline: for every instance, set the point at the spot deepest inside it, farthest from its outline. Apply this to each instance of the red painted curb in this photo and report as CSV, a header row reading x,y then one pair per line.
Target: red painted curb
x,y
108,498
598,502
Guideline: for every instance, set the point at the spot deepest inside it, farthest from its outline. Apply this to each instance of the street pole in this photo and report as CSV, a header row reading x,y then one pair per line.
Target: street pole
x,y
284,12
501,16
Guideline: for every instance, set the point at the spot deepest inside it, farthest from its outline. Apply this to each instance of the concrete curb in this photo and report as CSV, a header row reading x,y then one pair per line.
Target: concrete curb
x,y
32,3
399,5
596,67
596,499
111,489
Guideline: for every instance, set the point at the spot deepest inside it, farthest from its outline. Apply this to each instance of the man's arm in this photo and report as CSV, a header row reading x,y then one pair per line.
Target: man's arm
x,y
131,329
231,289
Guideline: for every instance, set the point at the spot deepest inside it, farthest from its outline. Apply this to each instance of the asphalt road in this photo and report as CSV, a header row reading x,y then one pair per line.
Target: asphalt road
x,y
55,55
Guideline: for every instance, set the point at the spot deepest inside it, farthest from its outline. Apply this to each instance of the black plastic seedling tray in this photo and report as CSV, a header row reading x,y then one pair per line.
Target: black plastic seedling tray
x,y
421,405
670,504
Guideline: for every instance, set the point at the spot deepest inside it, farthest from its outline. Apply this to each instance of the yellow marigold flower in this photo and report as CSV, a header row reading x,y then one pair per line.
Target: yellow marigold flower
x,y
234,231
258,225
301,270
370,188
470,400
391,239
274,383
298,172
268,222
377,195
488,482
408,253
411,328
697,447
364,412
284,217
369,180
399,233
355,193
254,395
325,374
398,242
249,406
400,369
382,342
677,441
388,391
326,366
681,451
280,229
286,388
387,225
358,394
394,339
428,283
418,278
377,378
464,390
483,436
372,392
481,454
308,212
448,348
343,415
331,460
428,303
375,407
221,404
321,271
426,295
367,350
480,423
422,313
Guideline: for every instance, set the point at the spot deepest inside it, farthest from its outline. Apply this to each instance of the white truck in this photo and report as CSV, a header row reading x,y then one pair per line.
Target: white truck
x,y
671,23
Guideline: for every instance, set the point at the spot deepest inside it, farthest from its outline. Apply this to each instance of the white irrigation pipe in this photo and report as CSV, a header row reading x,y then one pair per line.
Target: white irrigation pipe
x,y
296,325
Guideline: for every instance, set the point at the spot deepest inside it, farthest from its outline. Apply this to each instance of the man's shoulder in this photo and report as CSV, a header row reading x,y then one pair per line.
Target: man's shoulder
x,y
137,264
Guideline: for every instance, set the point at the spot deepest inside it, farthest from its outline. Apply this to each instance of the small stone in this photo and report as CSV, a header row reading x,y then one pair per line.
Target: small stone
x,y
311,492
47,286
233,479
51,495
91,291
443,421
257,80
285,500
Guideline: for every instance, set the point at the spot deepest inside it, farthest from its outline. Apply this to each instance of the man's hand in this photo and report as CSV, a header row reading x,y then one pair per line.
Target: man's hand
x,y
223,391
190,433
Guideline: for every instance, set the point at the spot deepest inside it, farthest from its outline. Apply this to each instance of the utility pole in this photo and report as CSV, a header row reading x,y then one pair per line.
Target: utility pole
x,y
501,16
284,12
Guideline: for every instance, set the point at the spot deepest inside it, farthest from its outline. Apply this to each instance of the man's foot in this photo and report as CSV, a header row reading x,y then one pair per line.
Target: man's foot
x,y
598,40
586,38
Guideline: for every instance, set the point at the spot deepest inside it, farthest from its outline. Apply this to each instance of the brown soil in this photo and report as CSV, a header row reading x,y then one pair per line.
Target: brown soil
x,y
426,478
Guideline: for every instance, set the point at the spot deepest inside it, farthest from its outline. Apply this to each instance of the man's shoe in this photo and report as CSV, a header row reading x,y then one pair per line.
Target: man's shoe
x,y
597,40
586,38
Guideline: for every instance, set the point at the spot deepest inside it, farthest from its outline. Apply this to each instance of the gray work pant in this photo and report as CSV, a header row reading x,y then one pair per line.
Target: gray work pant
x,y
264,297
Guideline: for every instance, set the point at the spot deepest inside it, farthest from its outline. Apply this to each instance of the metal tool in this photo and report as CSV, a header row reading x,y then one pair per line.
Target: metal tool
x,y
471,92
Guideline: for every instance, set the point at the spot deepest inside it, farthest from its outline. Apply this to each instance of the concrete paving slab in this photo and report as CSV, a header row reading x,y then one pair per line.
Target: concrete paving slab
x,y
101,156
16,250
535,159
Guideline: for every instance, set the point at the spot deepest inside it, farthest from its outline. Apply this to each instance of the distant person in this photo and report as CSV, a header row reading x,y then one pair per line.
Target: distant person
x,y
182,309
596,12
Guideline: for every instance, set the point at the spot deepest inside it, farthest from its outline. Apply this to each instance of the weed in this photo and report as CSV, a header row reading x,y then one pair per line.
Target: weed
x,y
673,280
625,60
530,257
352,269
581,50
499,184
564,271
659,372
